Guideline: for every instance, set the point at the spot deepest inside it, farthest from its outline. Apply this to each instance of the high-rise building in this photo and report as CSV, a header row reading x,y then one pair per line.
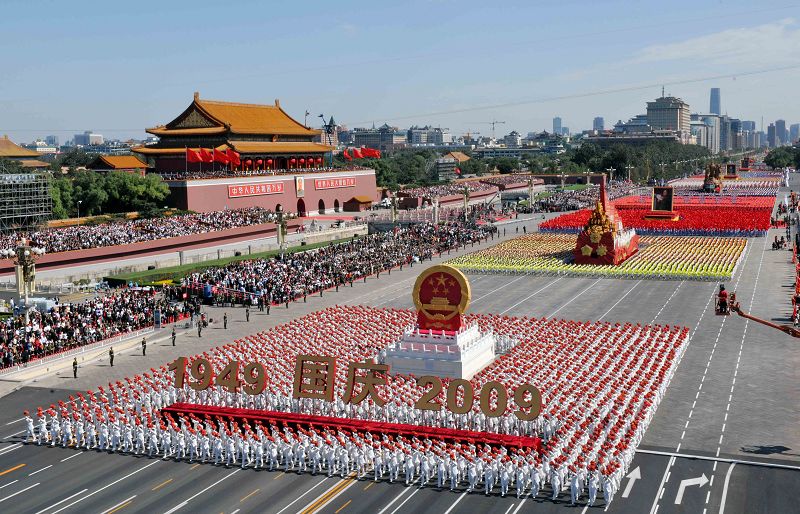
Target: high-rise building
x,y
598,124
749,126
88,138
794,132
669,113
771,139
564,131
706,129
51,140
557,125
781,136
716,101
725,139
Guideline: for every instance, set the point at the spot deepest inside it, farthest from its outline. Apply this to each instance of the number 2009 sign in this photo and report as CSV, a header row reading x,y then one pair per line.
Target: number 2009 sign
x,y
315,378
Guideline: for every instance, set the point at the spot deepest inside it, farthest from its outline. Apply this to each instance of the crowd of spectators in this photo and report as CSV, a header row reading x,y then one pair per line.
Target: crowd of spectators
x,y
454,188
573,199
282,280
504,180
79,237
70,325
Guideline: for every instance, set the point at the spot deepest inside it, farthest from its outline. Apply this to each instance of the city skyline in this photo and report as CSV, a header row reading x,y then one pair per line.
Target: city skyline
x,y
395,84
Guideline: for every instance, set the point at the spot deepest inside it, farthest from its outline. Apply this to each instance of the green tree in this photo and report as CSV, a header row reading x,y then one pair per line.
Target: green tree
x,y
131,192
62,193
781,157
72,159
90,189
504,164
473,167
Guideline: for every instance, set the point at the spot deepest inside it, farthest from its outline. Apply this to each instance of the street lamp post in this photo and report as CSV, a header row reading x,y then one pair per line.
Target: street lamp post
x,y
281,230
79,207
611,171
628,168
466,203
24,257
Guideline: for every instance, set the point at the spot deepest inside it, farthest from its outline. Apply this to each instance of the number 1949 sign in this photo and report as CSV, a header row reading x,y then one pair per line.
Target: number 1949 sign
x,y
315,378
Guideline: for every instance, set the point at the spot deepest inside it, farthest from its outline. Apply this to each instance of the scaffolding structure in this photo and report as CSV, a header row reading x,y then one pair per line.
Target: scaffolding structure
x,y
25,202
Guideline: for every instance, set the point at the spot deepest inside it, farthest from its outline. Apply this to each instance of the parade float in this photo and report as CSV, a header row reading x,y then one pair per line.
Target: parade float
x,y
604,240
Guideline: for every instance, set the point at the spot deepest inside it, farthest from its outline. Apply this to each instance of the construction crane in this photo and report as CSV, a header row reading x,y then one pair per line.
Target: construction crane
x,y
469,133
493,123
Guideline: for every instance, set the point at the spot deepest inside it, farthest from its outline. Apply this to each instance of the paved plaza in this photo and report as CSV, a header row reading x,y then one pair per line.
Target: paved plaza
x,y
724,437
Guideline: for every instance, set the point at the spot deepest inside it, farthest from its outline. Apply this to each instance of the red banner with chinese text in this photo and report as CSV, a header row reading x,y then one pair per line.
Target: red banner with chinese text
x,y
334,183
267,188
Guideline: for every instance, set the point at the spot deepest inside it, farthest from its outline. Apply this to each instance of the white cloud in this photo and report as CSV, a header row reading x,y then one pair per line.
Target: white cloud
x,y
768,44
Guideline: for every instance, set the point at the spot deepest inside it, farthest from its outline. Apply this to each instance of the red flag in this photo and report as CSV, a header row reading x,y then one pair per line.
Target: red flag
x,y
233,157
357,153
220,156
193,156
458,171
206,155
346,155
367,152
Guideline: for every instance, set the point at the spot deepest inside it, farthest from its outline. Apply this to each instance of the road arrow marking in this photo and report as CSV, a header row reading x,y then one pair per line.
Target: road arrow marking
x,y
699,481
632,477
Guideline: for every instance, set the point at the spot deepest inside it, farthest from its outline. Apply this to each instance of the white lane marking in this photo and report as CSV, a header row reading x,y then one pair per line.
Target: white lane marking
x,y
719,459
404,501
665,303
654,508
532,295
107,486
71,457
402,493
575,297
40,470
62,501
15,421
725,489
522,503
15,433
19,492
305,493
623,297
117,505
509,508
453,506
8,484
11,448
689,482
182,504
499,288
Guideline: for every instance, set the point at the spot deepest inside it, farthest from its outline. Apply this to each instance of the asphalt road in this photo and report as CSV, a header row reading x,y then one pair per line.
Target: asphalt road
x,y
724,439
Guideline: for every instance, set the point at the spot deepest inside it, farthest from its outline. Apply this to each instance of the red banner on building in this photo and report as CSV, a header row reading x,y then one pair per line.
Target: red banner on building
x,y
268,188
334,183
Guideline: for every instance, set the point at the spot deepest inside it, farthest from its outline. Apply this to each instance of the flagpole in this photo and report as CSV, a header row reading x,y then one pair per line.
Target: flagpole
x,y
186,160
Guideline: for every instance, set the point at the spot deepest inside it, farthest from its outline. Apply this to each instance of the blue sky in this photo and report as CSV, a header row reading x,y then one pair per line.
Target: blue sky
x,y
117,68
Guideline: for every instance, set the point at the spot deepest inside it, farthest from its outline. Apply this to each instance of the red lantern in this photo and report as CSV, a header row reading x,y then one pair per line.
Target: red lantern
x,y
302,160
319,160
269,163
259,162
248,162
292,160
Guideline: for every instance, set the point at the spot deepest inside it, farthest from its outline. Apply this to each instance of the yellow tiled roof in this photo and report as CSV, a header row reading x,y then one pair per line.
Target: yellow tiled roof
x,y
118,162
239,118
10,149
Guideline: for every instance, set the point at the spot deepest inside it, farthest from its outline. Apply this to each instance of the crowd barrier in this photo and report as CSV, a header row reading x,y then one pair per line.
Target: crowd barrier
x,y
70,352
308,421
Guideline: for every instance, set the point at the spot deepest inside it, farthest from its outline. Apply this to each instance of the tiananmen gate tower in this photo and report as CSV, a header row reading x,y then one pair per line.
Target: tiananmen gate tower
x,y
280,163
